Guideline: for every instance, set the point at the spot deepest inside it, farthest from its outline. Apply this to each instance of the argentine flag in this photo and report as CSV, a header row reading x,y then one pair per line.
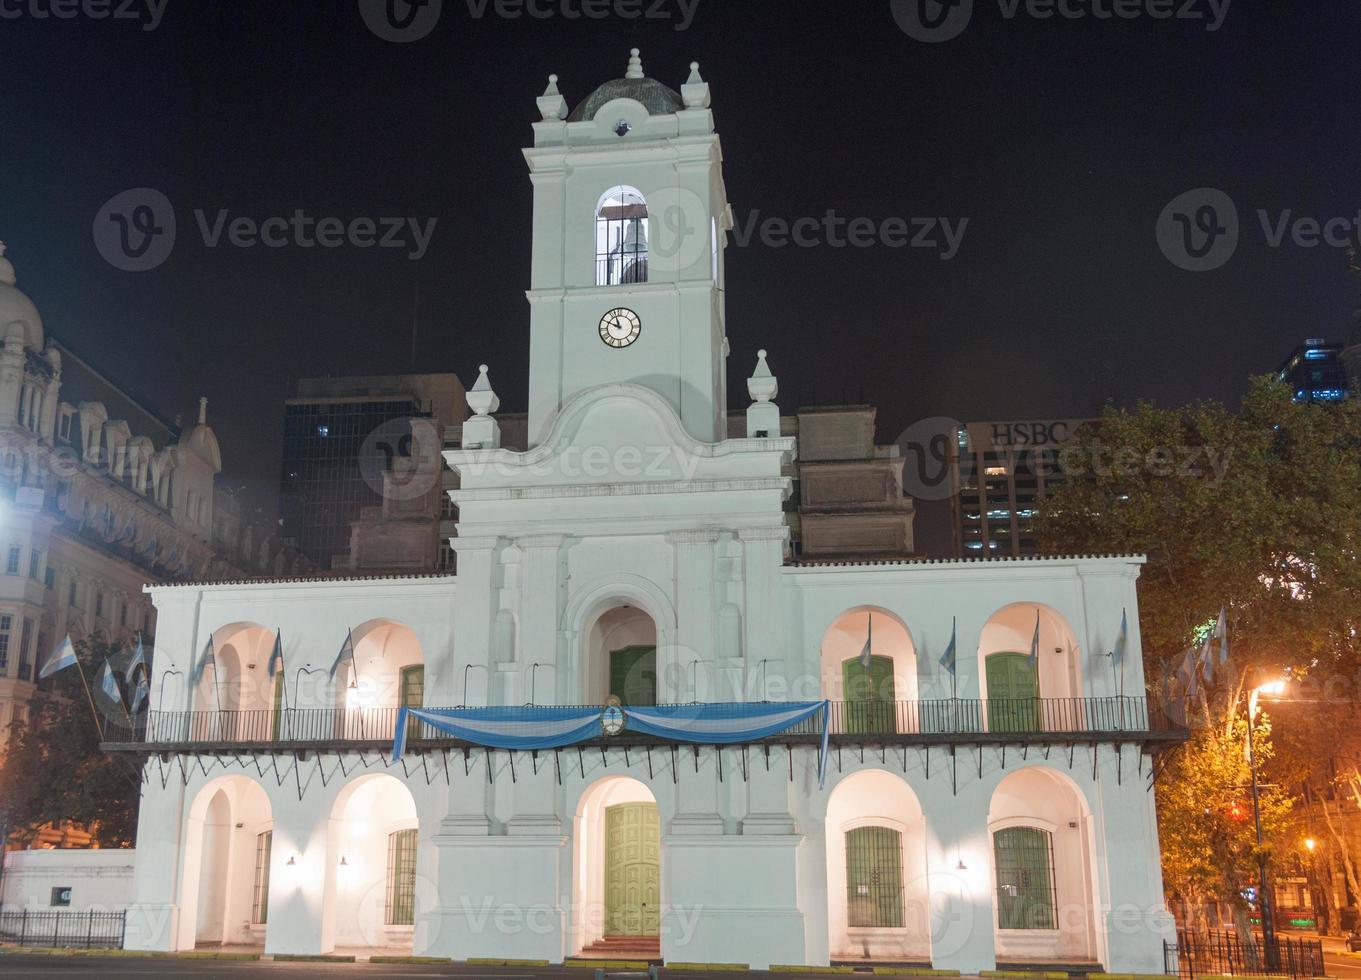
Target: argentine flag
x,y
64,656
947,659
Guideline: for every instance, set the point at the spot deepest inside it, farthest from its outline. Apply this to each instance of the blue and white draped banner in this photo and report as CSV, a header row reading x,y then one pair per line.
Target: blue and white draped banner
x,y
535,728
729,724
522,729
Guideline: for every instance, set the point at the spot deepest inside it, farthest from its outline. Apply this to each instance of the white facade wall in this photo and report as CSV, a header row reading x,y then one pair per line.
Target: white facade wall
x,y
100,880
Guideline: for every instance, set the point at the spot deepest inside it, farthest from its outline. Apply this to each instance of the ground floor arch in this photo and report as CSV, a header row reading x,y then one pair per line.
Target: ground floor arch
x,y
877,891
617,867
375,889
228,866
1043,869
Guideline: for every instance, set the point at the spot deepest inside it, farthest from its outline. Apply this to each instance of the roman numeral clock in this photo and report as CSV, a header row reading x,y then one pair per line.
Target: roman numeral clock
x,y
620,328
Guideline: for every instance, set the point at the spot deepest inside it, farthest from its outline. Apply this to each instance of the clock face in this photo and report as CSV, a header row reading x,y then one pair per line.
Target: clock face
x,y
620,328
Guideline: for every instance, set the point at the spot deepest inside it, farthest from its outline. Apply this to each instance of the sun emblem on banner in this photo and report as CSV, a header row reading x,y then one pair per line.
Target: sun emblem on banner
x,y
612,719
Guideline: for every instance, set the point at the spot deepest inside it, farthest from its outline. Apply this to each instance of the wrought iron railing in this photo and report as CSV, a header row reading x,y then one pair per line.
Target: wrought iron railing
x,y
1225,954
63,929
951,719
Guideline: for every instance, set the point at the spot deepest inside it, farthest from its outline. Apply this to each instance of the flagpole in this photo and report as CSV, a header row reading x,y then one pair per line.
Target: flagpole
x,y
99,727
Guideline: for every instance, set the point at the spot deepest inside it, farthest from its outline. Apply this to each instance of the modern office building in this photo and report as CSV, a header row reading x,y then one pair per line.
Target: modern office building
x,y
774,765
1000,474
341,435
1315,372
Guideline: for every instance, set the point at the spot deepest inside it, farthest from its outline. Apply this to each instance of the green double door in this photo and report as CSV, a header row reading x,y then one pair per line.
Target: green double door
x,y
633,676
633,880
1024,862
869,696
1013,693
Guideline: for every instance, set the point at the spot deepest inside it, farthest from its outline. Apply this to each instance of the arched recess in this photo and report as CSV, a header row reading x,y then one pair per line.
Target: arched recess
x,y
869,696
1043,870
581,622
616,861
621,656
235,688
388,673
376,889
876,870
1009,679
621,237
228,864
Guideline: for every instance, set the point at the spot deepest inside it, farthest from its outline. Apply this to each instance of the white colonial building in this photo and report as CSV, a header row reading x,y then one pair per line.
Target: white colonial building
x,y
999,813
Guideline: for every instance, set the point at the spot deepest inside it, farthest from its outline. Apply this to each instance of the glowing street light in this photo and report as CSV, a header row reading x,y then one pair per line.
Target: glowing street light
x,y
1271,689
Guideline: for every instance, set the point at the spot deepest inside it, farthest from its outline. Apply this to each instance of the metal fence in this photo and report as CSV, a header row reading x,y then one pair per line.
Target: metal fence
x,y
945,718
1224,953
67,930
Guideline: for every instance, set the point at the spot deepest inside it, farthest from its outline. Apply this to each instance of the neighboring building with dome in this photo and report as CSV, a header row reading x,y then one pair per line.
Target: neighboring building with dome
x,y
98,495
779,761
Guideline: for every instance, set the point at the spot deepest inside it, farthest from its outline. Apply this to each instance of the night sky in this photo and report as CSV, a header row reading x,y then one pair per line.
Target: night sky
x,y
1061,141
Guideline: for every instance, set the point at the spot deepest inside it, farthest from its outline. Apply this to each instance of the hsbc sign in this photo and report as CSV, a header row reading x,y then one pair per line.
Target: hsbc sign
x,y
1016,435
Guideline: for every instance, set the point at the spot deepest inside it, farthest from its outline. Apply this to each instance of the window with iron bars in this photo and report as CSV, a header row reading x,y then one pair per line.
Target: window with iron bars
x,y
401,890
621,227
1024,859
259,907
874,878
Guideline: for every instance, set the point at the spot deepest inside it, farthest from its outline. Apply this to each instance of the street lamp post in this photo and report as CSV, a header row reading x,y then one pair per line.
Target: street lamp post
x,y
1273,957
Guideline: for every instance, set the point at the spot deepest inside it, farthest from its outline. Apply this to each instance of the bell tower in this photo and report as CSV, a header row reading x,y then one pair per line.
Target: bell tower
x,y
630,219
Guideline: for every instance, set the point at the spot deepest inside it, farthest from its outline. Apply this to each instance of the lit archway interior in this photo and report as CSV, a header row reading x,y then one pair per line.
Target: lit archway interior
x,y
869,696
876,870
228,860
1008,678
388,673
617,866
236,689
376,889
1041,837
621,657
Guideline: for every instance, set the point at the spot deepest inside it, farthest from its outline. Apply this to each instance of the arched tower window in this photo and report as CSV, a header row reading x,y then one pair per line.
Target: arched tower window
x,y
621,237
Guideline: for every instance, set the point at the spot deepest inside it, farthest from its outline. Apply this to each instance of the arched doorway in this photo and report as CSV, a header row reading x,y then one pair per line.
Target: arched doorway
x,y
228,860
617,856
238,699
1042,869
388,673
375,892
621,654
870,698
1025,692
876,871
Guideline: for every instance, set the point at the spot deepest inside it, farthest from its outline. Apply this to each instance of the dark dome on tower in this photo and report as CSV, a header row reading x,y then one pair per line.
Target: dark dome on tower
x,y
658,99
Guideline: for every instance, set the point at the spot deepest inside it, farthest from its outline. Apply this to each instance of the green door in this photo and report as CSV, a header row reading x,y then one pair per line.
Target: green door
x,y
413,694
874,878
276,725
869,695
633,676
1024,858
1013,693
633,881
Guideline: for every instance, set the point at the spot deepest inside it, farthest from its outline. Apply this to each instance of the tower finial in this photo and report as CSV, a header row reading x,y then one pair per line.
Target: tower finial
x,y
203,410
552,105
763,417
635,65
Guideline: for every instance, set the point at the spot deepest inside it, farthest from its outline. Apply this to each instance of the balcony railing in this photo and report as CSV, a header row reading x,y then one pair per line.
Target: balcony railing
x,y
921,722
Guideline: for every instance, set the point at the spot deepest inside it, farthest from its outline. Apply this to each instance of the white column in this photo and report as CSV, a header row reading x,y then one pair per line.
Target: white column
x,y
961,913
764,643
541,590
475,614
696,636
300,875
153,916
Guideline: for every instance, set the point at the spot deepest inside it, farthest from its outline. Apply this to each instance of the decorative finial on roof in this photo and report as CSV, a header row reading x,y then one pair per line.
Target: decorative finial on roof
x,y
695,91
482,431
6,269
763,416
551,104
635,65
203,411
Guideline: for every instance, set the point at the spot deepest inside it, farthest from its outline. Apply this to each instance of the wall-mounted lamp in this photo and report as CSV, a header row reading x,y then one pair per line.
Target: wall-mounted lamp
x,y
343,862
961,866
292,862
